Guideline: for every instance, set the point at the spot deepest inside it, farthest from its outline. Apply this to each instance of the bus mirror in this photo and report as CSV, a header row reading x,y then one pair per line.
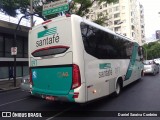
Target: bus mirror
x,y
139,50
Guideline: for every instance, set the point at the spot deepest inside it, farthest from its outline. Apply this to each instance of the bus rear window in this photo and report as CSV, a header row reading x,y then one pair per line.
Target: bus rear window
x,y
54,50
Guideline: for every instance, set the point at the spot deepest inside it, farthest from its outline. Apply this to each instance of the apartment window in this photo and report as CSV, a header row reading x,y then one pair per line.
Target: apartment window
x,y
116,8
87,17
116,15
133,34
116,29
123,7
142,31
132,27
116,22
124,34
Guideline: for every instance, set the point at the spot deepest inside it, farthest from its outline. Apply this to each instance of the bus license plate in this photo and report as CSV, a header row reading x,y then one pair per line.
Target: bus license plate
x,y
50,98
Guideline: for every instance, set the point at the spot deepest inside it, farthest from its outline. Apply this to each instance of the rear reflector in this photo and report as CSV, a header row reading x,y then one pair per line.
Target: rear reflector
x,y
76,79
76,94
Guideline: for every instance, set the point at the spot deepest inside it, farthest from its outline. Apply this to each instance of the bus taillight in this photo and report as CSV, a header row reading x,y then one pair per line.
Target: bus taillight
x,y
76,79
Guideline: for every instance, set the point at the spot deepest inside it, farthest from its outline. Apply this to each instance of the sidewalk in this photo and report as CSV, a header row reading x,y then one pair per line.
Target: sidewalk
x,y
6,84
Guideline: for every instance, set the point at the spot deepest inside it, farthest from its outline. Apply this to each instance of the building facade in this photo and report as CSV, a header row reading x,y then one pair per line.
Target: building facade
x,y
125,17
7,30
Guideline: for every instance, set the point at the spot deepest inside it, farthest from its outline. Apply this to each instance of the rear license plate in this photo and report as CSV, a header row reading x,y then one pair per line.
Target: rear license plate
x,y
51,98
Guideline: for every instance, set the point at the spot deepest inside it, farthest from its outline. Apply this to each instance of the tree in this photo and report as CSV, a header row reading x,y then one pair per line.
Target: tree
x,y
79,7
152,49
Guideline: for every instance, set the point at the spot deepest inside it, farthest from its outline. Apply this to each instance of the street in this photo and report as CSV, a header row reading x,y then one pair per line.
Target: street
x,y
142,95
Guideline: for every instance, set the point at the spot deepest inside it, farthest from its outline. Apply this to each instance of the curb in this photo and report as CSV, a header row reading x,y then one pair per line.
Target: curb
x,y
5,90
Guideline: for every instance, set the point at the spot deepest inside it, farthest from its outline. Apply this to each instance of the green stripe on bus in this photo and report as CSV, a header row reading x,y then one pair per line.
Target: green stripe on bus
x,y
47,32
104,65
132,62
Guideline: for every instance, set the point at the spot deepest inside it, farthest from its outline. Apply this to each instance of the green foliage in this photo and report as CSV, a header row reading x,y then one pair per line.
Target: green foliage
x,y
101,20
9,7
152,49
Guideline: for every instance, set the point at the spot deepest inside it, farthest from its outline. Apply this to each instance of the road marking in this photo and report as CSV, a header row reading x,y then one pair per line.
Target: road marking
x,y
12,102
59,113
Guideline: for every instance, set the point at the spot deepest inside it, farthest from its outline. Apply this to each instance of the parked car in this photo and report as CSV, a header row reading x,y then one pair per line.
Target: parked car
x,y
25,85
151,67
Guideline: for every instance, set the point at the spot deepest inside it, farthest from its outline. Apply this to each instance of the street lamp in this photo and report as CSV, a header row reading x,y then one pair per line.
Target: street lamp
x,y
15,45
31,11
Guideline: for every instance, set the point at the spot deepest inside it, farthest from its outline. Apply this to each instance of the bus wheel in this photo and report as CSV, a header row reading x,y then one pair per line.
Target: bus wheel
x,y
118,88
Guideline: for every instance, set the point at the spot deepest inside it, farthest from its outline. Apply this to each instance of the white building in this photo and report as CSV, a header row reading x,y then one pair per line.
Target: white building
x,y
125,17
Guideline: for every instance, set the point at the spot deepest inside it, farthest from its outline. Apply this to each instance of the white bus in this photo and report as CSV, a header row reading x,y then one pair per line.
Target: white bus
x,y
72,59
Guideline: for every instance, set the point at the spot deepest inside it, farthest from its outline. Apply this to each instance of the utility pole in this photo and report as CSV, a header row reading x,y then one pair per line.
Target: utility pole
x,y
31,12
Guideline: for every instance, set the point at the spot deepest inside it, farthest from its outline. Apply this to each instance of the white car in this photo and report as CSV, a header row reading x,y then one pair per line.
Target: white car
x,y
157,60
151,67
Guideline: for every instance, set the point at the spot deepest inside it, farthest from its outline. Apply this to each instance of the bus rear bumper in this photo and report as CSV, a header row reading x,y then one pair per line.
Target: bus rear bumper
x,y
51,97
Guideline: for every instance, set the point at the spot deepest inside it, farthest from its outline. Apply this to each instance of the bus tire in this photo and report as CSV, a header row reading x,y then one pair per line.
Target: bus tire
x,y
118,88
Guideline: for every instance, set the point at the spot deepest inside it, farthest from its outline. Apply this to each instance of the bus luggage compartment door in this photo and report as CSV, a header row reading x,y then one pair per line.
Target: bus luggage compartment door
x,y
56,80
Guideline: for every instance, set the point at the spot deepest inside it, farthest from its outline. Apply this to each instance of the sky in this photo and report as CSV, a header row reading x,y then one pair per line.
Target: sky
x,y
151,16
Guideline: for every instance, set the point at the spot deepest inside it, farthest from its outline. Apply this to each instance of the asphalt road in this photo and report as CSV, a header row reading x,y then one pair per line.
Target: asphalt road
x,y
143,95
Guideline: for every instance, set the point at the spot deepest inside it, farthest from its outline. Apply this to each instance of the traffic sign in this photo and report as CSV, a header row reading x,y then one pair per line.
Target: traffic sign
x,y
13,50
55,7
